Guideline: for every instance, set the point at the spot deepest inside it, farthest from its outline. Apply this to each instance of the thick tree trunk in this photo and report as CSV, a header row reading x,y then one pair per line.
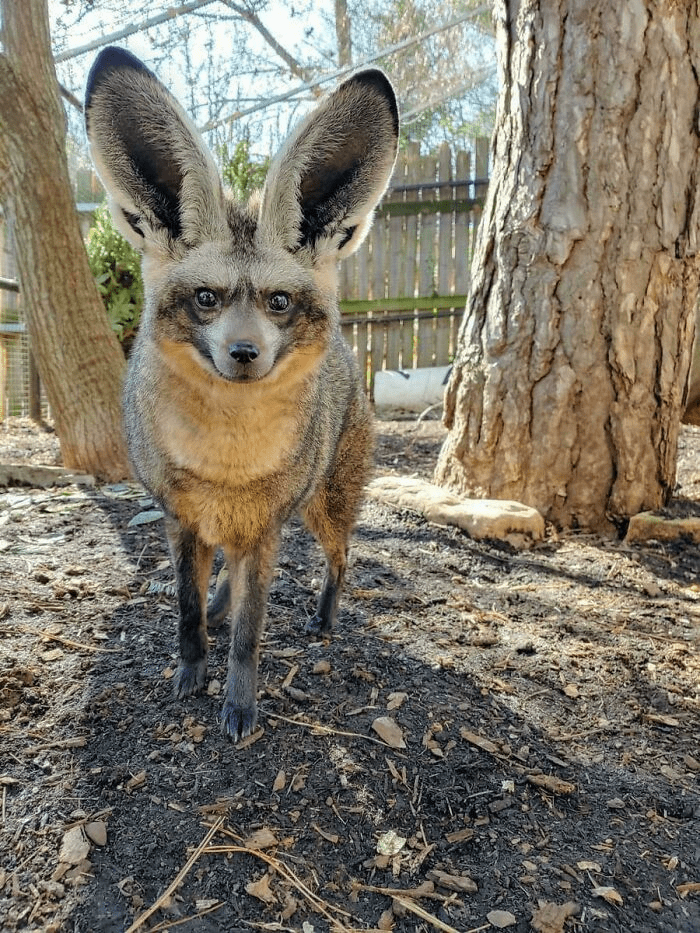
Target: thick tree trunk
x,y
568,386
77,355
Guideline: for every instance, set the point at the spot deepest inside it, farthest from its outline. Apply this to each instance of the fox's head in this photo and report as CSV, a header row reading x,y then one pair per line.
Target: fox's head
x,y
237,286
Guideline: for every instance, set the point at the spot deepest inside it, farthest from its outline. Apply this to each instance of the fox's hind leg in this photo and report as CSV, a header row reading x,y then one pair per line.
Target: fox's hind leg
x,y
192,560
218,608
331,516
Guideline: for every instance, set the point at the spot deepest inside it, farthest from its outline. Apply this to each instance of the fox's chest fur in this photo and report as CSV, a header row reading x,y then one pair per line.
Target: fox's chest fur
x,y
226,459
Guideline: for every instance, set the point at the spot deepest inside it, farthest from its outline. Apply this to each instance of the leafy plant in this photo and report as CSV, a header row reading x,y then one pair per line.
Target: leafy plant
x,y
116,266
240,172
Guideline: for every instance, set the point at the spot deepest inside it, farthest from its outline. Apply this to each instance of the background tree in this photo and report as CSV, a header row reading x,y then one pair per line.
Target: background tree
x,y
77,354
573,354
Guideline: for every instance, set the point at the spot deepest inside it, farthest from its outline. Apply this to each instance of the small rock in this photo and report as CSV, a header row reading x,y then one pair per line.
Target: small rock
x,y
97,832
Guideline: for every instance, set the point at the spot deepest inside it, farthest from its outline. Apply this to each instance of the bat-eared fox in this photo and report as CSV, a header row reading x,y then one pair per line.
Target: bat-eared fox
x,y
242,401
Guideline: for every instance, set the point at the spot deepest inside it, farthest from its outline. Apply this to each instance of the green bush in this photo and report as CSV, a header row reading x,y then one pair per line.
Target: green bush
x,y
116,266
240,172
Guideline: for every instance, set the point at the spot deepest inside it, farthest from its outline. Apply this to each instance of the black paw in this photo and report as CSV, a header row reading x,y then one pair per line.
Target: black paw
x,y
238,722
189,678
318,626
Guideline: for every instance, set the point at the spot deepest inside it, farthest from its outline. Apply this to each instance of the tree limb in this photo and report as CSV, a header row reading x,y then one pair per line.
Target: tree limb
x,y
249,16
168,14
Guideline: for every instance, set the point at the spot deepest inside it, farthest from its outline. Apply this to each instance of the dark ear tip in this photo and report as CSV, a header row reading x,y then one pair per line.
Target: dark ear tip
x,y
376,78
110,59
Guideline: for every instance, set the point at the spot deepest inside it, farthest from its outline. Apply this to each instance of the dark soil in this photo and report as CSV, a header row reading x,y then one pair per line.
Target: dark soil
x,y
548,700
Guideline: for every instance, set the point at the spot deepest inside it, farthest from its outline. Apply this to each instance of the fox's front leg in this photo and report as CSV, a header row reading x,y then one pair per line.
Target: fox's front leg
x,y
250,576
192,560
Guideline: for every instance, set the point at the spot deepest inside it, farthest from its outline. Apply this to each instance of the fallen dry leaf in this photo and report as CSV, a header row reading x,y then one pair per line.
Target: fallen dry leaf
x,y
280,781
608,894
261,890
389,731
501,919
478,740
396,700
688,887
74,846
585,865
261,839
138,780
550,918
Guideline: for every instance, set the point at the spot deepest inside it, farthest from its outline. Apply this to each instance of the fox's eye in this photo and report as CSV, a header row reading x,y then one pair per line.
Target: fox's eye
x,y
278,301
206,298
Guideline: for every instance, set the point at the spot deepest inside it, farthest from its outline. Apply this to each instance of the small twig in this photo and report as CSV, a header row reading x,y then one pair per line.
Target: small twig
x,y
317,726
169,924
429,918
27,630
316,902
76,741
139,922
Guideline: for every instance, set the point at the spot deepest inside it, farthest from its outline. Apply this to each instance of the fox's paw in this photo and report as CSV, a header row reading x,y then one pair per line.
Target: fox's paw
x,y
189,678
318,626
238,722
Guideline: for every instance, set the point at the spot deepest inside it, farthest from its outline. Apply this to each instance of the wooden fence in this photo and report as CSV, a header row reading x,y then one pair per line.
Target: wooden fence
x,y
403,293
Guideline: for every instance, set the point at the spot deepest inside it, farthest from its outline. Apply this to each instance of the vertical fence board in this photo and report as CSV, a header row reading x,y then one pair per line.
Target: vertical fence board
x,y
445,270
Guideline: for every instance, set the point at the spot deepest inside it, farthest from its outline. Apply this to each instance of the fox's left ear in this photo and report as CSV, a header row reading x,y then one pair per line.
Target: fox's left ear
x,y
330,174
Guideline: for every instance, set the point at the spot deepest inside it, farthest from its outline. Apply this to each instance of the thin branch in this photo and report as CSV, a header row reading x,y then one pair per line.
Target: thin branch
x,y
249,16
168,14
70,97
341,72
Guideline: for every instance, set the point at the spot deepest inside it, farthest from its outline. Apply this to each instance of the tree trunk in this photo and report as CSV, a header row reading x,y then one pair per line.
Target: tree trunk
x,y
573,356
76,352
343,33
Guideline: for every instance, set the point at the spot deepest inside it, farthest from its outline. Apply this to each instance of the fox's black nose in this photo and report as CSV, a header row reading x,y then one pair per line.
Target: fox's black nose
x,y
243,352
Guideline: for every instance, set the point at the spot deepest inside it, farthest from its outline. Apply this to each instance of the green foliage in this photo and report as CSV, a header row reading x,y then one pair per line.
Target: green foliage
x,y
116,267
240,172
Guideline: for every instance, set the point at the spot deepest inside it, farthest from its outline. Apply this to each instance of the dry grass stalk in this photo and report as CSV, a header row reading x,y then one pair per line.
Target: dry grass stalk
x,y
139,922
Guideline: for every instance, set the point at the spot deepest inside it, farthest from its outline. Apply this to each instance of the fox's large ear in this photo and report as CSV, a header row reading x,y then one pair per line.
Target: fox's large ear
x,y
328,177
162,181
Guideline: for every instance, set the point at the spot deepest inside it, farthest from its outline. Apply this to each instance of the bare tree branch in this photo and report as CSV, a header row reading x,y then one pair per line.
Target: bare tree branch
x,y
293,64
169,13
340,72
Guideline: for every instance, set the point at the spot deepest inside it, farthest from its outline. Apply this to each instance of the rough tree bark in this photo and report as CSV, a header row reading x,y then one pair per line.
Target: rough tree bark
x,y
568,387
77,354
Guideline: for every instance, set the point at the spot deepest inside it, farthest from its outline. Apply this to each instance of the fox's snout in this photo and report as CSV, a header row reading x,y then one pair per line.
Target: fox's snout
x,y
243,351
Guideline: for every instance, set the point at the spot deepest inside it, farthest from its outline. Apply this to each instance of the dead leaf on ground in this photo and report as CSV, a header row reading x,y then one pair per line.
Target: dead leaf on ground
x,y
261,890
280,781
389,731
501,919
396,700
550,918
261,839
475,739
74,846
608,894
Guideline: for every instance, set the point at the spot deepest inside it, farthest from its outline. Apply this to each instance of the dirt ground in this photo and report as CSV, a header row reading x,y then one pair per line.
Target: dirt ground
x,y
494,739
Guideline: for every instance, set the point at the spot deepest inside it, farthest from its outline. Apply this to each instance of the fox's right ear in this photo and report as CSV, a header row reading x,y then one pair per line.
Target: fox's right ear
x,y
163,184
